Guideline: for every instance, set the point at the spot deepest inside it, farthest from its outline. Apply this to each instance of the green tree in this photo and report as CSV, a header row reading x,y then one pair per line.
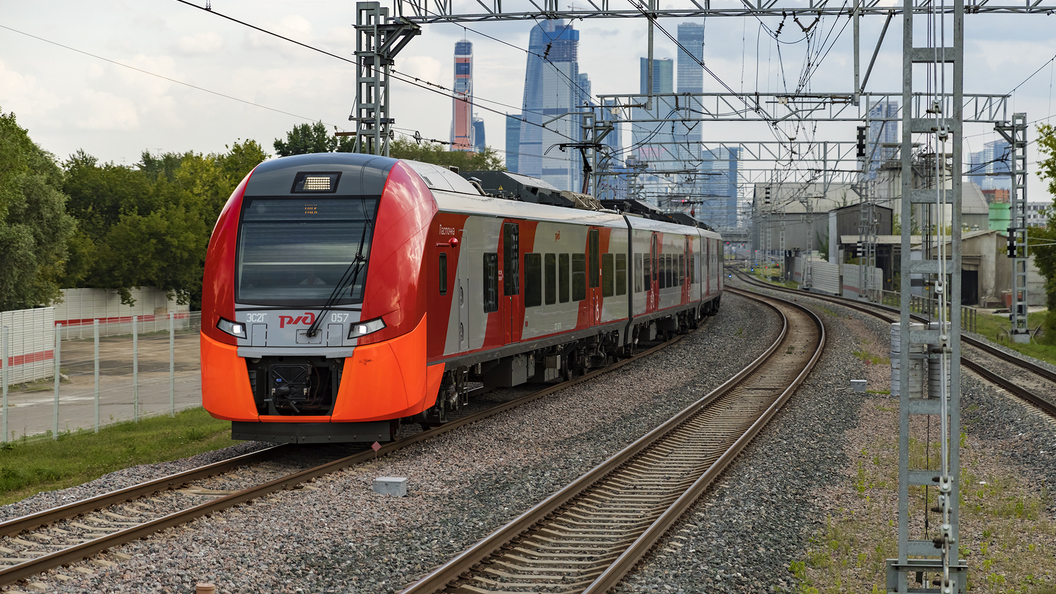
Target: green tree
x,y
149,225
1045,238
34,225
429,152
313,138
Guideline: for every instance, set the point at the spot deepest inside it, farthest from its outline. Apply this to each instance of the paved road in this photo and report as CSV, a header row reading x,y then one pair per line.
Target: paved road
x,y
32,411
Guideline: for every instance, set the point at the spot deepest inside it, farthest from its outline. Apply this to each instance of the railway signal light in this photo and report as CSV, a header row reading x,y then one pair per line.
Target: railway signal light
x,y
1011,242
861,141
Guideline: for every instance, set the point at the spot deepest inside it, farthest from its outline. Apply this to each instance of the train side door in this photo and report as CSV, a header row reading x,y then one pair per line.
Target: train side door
x,y
462,303
707,267
654,298
684,265
511,281
594,276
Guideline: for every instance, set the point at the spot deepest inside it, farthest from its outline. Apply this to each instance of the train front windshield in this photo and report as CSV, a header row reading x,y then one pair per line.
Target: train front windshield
x,y
299,251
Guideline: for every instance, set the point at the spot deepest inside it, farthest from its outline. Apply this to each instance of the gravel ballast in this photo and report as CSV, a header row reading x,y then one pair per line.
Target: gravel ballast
x,y
336,535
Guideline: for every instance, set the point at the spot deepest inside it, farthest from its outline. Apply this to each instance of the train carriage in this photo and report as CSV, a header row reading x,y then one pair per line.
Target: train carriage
x,y
344,293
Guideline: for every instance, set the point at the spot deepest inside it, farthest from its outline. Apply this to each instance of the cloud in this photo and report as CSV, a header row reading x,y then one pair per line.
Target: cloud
x,y
105,112
203,43
424,67
24,96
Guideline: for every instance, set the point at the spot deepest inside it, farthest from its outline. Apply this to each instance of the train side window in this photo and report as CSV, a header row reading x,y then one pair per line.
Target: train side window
x,y
442,270
669,270
648,276
550,276
606,275
533,280
595,251
511,275
579,277
638,273
621,274
661,266
562,277
681,270
491,283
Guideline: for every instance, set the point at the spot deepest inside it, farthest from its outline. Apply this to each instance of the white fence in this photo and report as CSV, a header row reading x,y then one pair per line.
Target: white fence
x,y
29,344
81,307
825,278
852,278
119,371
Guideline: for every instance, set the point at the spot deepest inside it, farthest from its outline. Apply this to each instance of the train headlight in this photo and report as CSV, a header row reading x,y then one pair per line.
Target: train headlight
x,y
236,329
361,329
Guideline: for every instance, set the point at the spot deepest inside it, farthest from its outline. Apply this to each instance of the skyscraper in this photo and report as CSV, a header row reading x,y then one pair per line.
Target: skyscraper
x,y
881,132
988,168
995,160
478,135
688,134
513,142
663,75
719,188
552,88
690,71
653,139
462,110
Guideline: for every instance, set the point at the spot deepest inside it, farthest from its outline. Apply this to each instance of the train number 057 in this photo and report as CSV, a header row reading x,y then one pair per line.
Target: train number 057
x,y
339,317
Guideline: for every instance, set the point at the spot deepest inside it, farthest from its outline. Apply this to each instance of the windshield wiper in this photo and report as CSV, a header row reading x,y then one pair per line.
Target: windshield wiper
x,y
351,274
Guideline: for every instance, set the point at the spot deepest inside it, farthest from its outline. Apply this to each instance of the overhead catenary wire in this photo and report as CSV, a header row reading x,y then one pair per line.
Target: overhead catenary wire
x,y
400,76
161,76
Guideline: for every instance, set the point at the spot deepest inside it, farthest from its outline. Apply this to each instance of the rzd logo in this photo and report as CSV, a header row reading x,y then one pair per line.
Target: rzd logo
x,y
307,319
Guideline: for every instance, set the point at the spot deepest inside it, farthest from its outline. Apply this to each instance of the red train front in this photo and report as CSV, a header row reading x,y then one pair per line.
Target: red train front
x,y
311,288
345,292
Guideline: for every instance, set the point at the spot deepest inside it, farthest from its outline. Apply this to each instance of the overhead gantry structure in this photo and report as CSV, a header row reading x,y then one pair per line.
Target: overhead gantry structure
x,y
932,115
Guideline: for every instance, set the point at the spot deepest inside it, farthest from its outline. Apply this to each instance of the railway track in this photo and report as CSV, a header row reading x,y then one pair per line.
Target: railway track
x,y
33,544
1039,390
588,535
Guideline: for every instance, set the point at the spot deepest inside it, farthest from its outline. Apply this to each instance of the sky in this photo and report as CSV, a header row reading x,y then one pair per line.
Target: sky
x,y
116,78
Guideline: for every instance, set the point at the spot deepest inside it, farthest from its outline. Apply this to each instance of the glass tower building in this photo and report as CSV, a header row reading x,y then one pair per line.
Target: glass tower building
x,y
653,139
881,133
552,88
462,109
513,142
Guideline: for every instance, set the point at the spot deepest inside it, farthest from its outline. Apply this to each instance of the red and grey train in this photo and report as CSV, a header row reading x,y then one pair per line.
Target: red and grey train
x,y
346,292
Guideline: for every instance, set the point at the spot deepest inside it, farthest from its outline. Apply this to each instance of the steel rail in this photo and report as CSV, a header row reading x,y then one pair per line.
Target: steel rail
x,y
1045,405
173,481
441,577
75,553
612,576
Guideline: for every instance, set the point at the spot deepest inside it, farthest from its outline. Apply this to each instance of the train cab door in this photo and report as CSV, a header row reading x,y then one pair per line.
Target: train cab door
x,y
594,276
511,310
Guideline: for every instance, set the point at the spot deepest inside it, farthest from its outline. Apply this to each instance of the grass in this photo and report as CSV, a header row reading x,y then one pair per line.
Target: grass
x,y
30,466
999,514
996,327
